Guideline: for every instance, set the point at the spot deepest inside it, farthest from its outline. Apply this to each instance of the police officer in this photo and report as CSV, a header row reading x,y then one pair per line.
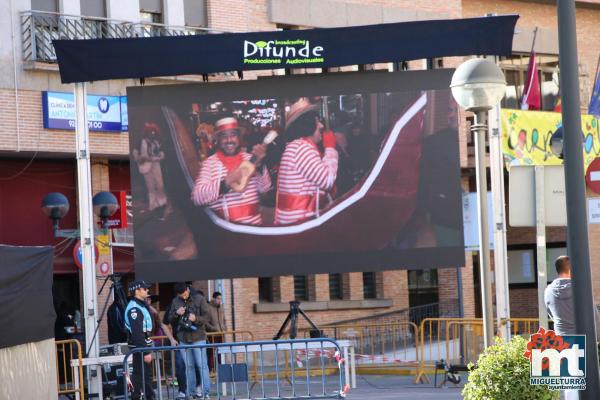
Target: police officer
x,y
138,323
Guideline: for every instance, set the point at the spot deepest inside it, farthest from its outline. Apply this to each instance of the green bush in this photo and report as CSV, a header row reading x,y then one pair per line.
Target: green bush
x,y
503,373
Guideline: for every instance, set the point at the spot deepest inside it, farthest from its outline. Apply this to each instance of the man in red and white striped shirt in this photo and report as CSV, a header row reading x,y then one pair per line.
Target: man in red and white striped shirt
x,y
219,171
304,174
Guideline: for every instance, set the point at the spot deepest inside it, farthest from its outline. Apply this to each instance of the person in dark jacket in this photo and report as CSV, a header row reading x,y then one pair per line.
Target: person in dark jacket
x,y
217,313
189,313
63,320
116,323
138,322
217,324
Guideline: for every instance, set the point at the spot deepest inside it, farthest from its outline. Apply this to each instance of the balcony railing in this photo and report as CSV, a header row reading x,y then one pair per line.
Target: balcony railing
x,y
38,29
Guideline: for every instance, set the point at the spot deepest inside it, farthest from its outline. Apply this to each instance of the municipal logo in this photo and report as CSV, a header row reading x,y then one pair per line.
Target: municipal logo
x,y
556,361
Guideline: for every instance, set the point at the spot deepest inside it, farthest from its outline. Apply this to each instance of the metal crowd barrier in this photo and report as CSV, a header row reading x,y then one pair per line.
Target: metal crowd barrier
x,y
305,358
460,340
522,326
439,338
380,347
464,342
229,337
266,367
164,366
69,381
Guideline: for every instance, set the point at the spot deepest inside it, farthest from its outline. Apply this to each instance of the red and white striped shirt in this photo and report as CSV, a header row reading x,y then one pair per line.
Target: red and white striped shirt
x,y
244,207
304,176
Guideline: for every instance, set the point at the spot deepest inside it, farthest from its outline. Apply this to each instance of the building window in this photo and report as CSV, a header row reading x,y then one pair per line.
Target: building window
x,y
149,21
44,5
93,26
422,287
150,17
300,287
151,14
195,13
335,287
93,8
521,266
522,263
515,70
151,6
265,290
369,285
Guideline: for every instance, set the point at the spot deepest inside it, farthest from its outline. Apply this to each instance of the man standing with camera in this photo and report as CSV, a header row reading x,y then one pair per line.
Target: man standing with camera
x,y
189,313
179,363
138,323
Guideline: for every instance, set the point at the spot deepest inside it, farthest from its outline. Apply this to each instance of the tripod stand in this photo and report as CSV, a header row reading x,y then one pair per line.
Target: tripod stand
x,y
292,318
119,297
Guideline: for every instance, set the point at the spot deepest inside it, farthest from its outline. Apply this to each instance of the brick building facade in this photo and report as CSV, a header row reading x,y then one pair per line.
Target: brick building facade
x,y
26,147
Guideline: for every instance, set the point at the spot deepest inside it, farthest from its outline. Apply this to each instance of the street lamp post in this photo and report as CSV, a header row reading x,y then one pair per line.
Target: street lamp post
x,y
478,85
55,206
577,229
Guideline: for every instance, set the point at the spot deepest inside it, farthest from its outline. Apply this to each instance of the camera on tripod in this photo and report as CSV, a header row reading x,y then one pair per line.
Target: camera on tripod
x,y
184,321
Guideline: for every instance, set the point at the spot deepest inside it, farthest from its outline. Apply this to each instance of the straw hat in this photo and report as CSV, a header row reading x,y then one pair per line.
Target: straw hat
x,y
300,107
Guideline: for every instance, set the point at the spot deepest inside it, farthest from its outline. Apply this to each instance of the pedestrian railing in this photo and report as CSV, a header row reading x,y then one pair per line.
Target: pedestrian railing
x,y
39,28
69,380
284,369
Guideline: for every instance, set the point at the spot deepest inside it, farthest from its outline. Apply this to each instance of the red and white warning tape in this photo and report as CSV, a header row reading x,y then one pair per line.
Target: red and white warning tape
x,y
379,359
331,354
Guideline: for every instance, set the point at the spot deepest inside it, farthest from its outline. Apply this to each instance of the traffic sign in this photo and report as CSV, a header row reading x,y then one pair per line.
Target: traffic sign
x,y
104,268
78,254
522,195
592,175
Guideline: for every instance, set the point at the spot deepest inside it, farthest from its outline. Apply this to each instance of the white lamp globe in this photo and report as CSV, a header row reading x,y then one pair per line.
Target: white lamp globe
x,y
478,84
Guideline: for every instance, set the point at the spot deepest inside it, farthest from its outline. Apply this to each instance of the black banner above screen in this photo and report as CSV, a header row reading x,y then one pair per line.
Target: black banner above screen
x,y
101,59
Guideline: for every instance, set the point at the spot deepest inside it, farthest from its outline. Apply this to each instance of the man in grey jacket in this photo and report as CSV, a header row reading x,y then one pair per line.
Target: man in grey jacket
x,y
189,313
558,297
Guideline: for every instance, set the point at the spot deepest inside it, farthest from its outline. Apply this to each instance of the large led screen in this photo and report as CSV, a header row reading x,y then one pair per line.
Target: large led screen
x,y
295,175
